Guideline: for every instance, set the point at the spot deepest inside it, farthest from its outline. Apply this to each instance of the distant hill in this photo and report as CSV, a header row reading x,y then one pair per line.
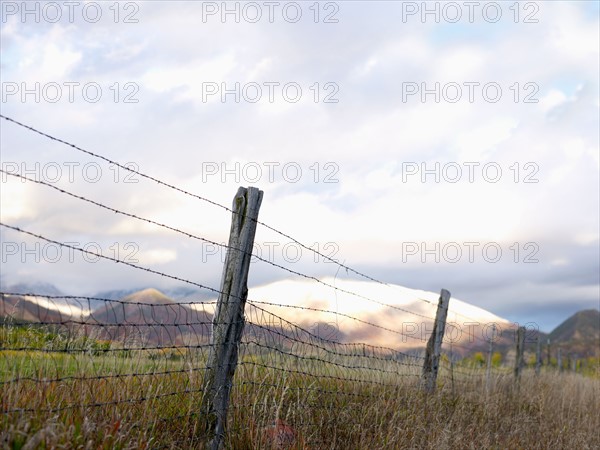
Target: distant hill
x,y
37,287
143,318
579,334
369,312
115,294
65,305
21,309
181,294
150,318
583,325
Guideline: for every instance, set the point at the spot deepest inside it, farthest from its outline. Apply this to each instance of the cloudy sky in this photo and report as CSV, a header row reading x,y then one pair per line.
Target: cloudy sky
x,y
431,145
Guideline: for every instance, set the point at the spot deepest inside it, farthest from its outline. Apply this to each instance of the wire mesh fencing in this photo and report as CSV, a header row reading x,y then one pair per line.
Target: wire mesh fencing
x,y
138,365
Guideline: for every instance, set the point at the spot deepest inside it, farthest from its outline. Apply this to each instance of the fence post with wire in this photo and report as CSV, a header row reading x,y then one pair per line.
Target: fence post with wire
x,y
434,345
228,323
219,372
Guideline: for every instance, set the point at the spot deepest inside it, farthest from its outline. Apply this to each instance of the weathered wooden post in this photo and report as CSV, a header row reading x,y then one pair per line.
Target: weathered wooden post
x,y
538,357
559,360
228,321
519,361
548,358
488,368
434,345
452,374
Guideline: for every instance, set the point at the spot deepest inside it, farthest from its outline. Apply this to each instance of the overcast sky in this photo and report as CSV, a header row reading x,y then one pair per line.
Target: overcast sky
x,y
453,148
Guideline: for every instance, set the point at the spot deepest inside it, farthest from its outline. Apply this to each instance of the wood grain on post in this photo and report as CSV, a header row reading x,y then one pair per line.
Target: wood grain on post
x,y
434,345
559,360
228,321
519,361
538,357
488,368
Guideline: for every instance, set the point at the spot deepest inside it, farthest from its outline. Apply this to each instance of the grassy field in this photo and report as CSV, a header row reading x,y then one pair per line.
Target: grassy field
x,y
73,393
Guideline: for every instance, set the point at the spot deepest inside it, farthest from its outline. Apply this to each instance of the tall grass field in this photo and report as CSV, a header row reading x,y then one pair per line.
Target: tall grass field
x,y
66,391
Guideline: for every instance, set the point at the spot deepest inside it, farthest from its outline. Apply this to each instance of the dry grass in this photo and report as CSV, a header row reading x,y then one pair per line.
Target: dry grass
x,y
326,410
549,411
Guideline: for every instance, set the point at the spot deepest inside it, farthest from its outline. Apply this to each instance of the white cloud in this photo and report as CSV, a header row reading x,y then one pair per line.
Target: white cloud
x,y
589,238
45,57
478,143
574,35
191,78
552,99
15,198
463,63
368,134
155,257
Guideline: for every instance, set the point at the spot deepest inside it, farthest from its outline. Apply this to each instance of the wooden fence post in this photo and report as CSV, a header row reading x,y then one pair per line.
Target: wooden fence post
x,y
228,321
452,376
559,360
434,345
538,357
548,359
519,362
488,368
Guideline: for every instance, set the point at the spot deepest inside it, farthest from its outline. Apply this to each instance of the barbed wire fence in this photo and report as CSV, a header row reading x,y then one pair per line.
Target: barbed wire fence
x,y
183,362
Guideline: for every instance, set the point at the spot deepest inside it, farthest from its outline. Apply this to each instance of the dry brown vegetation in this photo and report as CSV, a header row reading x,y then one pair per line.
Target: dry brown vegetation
x,y
326,410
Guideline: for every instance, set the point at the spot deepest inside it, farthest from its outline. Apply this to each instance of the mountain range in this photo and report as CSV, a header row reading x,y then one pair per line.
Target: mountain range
x,y
355,311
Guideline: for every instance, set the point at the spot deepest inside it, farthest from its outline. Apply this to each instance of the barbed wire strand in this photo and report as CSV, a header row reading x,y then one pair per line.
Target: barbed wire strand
x,y
190,235
160,182
183,191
